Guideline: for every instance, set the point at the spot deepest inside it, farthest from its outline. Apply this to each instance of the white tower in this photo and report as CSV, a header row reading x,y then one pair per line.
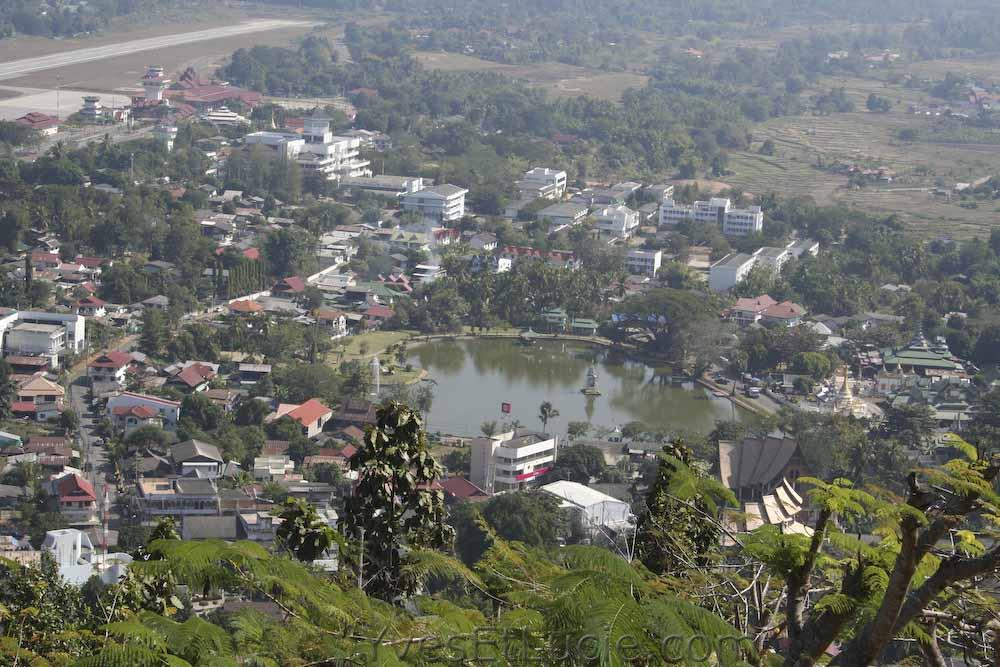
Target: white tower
x,y
155,84
377,376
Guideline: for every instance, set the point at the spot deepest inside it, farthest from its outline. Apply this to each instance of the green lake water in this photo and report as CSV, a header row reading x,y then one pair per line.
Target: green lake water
x,y
474,377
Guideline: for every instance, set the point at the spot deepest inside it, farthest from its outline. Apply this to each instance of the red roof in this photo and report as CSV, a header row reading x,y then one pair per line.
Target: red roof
x,y
754,305
785,310
22,406
38,121
90,262
137,411
112,359
310,412
252,253
349,450
554,255
90,301
73,488
245,306
291,284
462,489
195,374
47,257
352,432
379,312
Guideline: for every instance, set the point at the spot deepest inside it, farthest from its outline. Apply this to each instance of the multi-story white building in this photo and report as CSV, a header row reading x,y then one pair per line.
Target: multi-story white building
x,y
718,210
542,183
511,461
49,335
729,271
427,273
643,262
442,203
318,152
743,221
618,222
773,258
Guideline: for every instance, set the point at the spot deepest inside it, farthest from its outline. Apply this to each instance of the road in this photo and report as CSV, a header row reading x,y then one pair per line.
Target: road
x,y
18,68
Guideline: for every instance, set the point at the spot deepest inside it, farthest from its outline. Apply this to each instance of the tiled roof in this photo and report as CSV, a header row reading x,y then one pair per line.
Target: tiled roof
x,y
309,412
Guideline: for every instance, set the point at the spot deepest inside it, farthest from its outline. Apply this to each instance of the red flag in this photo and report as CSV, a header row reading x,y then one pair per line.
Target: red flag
x,y
505,408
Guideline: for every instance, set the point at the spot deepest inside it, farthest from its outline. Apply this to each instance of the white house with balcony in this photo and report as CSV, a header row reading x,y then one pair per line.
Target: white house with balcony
x,y
441,203
512,461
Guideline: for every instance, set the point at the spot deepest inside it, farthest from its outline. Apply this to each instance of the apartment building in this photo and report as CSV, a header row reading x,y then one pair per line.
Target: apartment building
x,y
40,334
729,271
318,152
643,262
511,461
441,203
542,183
717,210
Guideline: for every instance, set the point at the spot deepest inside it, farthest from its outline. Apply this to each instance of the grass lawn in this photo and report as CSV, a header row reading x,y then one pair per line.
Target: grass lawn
x,y
375,342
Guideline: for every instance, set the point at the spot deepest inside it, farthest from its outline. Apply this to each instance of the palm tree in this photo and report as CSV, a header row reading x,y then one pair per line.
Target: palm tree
x,y
546,412
489,428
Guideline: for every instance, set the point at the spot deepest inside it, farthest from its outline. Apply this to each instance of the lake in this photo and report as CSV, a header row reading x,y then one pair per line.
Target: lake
x,y
474,377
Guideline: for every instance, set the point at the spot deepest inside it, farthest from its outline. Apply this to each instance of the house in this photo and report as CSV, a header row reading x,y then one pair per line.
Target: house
x,y
38,398
158,302
747,311
77,500
289,287
542,183
44,124
617,222
427,273
460,490
643,262
598,513
356,412
77,560
490,264
756,467
223,398
312,416
158,267
441,203
253,373
194,458
375,316
511,461
245,308
183,496
193,376
564,259
560,216
90,306
258,526
271,468
786,314
109,367
730,271
122,411
333,320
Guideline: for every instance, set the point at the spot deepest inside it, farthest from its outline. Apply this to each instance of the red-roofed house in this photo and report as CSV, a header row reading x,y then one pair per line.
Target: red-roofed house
x,y
245,307
565,259
252,253
749,310
93,264
39,122
91,306
110,367
376,315
312,415
77,500
42,260
461,490
785,313
121,408
194,377
334,320
291,287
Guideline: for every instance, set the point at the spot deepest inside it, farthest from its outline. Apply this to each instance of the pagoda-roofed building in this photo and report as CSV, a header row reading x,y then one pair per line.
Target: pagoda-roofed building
x,y
918,357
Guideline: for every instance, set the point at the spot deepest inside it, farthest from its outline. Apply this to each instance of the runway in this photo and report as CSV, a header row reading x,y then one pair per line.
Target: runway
x,y
17,68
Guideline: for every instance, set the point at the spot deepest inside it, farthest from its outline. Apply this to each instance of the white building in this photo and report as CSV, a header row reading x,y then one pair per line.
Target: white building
x,y
427,273
155,84
773,258
167,134
270,468
78,560
224,116
35,333
542,183
718,210
383,185
598,512
729,271
259,526
91,107
743,221
643,262
511,461
618,222
564,215
318,152
443,203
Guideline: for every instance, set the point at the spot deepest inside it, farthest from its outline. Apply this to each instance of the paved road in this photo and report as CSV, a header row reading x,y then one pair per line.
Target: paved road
x,y
17,68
